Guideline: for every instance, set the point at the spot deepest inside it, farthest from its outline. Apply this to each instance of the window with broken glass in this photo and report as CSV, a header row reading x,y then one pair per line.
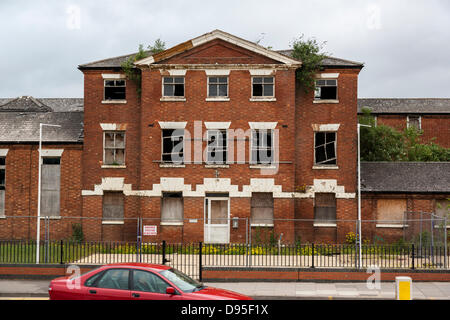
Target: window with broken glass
x,y
114,148
217,87
262,87
325,148
262,146
115,89
326,89
173,86
173,146
2,185
414,122
217,147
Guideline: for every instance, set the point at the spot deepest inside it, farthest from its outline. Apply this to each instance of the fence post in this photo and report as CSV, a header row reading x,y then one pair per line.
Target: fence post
x,y
61,252
200,247
413,254
164,252
312,254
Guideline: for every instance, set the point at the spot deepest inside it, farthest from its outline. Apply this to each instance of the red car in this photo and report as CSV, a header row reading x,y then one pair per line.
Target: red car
x,y
136,281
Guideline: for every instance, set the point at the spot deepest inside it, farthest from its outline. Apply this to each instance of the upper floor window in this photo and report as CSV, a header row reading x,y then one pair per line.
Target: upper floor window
x,y
325,148
414,122
217,87
326,89
217,146
115,89
173,86
262,146
114,148
263,87
173,145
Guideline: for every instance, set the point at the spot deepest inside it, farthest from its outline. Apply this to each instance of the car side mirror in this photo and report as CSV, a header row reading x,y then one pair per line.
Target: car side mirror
x,y
170,290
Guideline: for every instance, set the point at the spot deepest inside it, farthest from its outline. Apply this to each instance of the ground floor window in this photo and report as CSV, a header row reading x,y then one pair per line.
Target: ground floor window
x,y
325,208
390,211
113,206
172,207
262,209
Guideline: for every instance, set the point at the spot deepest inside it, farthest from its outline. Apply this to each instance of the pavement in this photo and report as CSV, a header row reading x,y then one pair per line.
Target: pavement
x,y
37,289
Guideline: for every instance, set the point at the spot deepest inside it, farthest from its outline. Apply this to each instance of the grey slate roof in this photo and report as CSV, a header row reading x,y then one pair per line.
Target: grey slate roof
x,y
31,104
406,105
24,127
20,118
405,177
116,62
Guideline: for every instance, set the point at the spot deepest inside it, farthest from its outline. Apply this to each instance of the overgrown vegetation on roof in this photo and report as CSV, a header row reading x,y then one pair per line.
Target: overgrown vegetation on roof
x,y
384,143
308,51
133,73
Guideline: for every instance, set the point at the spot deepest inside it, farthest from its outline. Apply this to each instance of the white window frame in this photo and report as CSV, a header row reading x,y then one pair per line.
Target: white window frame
x,y
263,97
209,97
173,98
115,79
208,134
420,121
111,165
318,99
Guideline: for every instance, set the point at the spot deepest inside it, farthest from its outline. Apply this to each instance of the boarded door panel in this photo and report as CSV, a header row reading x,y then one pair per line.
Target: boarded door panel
x,y
50,190
219,212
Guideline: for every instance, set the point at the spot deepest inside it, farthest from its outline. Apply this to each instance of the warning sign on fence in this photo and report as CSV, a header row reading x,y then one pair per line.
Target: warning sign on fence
x,y
150,231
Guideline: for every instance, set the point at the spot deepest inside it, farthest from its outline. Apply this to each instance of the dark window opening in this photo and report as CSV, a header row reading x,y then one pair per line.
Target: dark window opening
x,y
47,160
217,146
262,146
115,89
173,86
217,86
325,148
326,90
262,87
172,145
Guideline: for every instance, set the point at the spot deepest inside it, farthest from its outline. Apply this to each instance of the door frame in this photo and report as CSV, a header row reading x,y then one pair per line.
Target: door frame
x,y
207,217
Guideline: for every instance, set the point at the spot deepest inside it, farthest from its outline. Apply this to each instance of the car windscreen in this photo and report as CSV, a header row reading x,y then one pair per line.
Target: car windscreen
x,y
182,281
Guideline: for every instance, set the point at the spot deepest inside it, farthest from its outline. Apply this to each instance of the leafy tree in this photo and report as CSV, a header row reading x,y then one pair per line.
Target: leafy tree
x,y
384,143
308,52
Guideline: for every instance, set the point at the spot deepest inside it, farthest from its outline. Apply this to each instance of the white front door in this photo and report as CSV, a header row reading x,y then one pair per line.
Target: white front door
x,y
217,220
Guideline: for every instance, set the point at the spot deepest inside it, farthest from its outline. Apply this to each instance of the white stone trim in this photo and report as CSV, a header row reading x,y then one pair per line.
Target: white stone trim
x,y
217,125
169,184
175,72
114,101
3,152
262,72
326,127
218,34
217,72
324,225
113,76
327,75
393,226
113,126
52,152
172,124
262,125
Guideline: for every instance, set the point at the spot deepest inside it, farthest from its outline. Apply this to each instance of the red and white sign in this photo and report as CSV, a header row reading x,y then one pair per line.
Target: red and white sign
x,y
150,231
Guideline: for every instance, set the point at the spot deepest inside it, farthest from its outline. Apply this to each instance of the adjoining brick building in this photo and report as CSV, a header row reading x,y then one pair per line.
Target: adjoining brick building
x,y
219,144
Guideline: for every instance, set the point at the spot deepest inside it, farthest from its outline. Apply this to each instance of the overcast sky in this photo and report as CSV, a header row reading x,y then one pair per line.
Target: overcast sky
x,y
404,44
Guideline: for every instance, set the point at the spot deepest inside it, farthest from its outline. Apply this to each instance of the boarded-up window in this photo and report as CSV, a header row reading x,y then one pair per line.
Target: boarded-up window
x,y
325,208
414,122
262,208
2,185
50,187
112,206
391,211
172,207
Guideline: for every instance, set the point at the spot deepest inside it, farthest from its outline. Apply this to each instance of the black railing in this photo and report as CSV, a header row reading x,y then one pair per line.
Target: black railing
x,y
191,258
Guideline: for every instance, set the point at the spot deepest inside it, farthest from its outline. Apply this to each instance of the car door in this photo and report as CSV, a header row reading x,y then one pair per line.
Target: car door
x,y
113,284
146,285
